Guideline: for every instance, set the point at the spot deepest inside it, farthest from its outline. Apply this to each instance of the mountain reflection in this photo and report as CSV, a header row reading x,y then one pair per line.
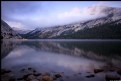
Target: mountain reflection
x,y
71,55
6,47
93,50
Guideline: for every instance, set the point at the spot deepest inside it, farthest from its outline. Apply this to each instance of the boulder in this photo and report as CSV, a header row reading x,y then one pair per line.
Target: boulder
x,y
58,75
46,78
30,77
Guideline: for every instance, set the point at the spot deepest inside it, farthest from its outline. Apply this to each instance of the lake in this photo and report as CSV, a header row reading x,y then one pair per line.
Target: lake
x,y
72,57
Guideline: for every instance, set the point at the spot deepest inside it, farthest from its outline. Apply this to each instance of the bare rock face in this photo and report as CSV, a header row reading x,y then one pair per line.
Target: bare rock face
x,y
7,32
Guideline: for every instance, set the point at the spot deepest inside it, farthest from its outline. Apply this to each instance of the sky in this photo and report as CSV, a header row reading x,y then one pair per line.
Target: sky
x,y
39,14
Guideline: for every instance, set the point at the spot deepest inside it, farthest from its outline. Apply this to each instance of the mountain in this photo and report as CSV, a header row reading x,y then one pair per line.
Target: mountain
x,y
105,31
7,32
108,26
21,31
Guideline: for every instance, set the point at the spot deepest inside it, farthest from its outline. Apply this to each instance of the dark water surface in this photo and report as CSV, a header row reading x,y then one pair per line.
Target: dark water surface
x,y
68,56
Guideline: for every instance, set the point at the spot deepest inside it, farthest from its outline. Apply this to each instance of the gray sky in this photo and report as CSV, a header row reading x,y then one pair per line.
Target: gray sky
x,y
34,14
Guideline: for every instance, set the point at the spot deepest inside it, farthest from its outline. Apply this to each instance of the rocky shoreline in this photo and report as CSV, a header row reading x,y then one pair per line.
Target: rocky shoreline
x,y
30,74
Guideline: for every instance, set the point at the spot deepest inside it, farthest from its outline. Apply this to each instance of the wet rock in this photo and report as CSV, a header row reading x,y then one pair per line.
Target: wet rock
x,y
46,78
34,71
29,68
58,75
26,76
62,73
119,72
38,74
30,77
90,76
98,70
8,77
54,78
60,79
39,77
111,77
3,71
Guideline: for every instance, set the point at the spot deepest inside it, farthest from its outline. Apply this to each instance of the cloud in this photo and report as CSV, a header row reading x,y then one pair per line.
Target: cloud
x,y
84,12
67,17
37,14
16,24
73,13
102,3
81,14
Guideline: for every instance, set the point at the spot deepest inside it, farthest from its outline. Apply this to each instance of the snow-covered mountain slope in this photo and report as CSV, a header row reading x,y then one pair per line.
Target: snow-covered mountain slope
x,y
21,31
112,15
7,32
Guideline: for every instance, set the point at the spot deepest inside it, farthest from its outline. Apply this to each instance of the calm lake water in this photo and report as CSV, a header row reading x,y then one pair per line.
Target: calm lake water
x,y
68,56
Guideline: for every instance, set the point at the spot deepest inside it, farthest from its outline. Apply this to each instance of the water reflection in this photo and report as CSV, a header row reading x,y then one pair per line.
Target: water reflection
x,y
6,47
63,56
